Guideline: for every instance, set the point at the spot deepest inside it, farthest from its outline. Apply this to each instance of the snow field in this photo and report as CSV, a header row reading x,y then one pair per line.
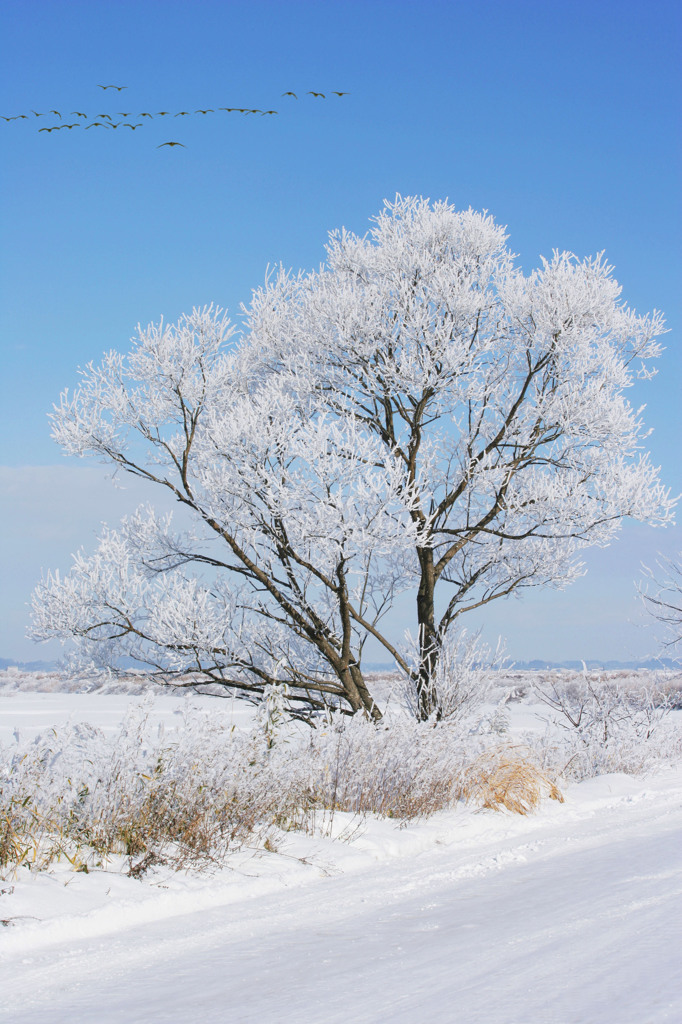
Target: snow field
x,y
569,914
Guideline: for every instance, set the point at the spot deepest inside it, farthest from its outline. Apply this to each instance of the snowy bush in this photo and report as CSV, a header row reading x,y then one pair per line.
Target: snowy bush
x,y
192,795
607,725
463,679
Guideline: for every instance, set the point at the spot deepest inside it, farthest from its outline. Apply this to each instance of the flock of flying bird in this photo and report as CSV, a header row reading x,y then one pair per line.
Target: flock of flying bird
x,y
107,121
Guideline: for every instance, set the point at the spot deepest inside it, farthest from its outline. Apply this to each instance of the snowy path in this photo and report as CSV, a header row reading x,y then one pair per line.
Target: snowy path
x,y
572,916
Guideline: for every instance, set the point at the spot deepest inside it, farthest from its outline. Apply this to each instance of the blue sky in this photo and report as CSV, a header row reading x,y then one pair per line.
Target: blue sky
x,y
560,118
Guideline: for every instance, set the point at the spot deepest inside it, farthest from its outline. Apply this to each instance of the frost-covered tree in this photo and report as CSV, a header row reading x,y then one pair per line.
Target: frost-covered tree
x,y
417,413
500,395
661,593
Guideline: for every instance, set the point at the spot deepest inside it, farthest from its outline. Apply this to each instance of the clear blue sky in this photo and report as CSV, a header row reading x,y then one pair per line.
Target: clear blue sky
x,y
560,118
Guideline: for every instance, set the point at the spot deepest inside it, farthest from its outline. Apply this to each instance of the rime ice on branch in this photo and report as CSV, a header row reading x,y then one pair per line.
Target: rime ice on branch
x,y
417,414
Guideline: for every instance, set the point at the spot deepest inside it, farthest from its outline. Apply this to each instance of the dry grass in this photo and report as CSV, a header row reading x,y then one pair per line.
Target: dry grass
x,y
507,777
81,797
192,827
78,796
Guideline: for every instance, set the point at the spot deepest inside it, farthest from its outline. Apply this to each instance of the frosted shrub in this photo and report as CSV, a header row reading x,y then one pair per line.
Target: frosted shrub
x,y
79,794
463,680
402,769
606,725
190,796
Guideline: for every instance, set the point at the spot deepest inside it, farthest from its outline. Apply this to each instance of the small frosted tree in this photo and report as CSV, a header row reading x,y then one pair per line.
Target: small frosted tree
x,y
418,413
661,593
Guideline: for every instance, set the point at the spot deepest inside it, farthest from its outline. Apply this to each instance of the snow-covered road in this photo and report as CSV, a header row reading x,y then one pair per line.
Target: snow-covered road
x,y
573,915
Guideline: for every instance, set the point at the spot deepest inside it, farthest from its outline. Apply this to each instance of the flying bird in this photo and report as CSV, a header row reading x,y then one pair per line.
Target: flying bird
x,y
76,125
97,124
127,124
145,115
172,144
269,112
311,93
335,93
118,87
121,114
36,113
162,113
182,113
105,115
56,112
49,129
79,113
290,94
209,111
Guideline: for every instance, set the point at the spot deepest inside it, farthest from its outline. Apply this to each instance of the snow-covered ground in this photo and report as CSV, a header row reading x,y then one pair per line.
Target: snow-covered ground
x,y
573,914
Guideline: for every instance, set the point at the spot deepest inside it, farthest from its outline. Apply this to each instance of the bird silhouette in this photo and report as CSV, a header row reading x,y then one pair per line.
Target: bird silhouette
x,y
311,93
133,126
172,144
270,112
97,124
79,113
146,115
290,94
56,112
76,125
162,113
105,115
49,129
335,93
121,114
36,113
209,111
119,88
182,113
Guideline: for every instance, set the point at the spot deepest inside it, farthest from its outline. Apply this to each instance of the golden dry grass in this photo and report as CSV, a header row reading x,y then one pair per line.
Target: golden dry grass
x,y
506,777
191,814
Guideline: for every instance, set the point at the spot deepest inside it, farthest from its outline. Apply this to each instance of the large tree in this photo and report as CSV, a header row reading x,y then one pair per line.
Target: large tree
x,y
417,413
501,396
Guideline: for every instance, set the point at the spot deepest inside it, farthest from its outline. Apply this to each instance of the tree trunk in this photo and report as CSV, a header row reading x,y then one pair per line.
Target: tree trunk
x,y
368,702
429,645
